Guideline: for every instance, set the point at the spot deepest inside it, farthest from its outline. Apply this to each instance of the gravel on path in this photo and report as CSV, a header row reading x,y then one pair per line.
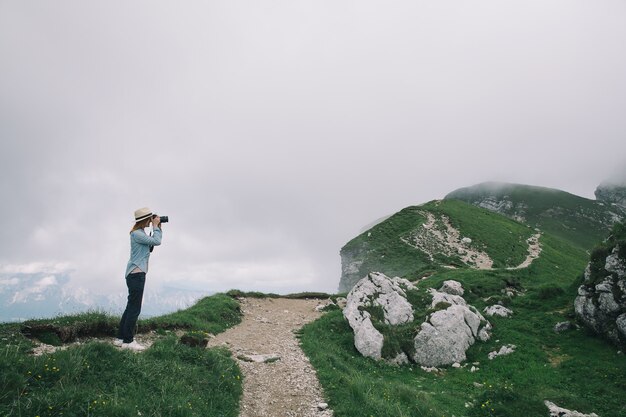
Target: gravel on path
x,y
284,387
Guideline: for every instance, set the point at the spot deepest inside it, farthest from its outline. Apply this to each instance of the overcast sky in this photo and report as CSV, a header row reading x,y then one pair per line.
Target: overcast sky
x,y
272,131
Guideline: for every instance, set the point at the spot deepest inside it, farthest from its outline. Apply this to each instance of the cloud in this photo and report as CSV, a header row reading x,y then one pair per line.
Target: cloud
x,y
35,268
272,135
34,292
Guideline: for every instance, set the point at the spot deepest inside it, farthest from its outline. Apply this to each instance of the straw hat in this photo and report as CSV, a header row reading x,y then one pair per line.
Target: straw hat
x,y
142,214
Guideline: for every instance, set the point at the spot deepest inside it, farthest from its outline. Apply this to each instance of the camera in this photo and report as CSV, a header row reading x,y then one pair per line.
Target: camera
x,y
164,219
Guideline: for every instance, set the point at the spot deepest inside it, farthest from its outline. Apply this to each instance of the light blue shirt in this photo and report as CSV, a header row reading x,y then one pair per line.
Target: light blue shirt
x,y
140,244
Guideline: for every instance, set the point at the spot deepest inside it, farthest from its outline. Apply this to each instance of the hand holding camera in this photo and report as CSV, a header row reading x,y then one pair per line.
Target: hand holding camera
x,y
157,220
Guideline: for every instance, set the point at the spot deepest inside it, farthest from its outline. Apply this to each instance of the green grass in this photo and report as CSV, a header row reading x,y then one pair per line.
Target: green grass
x,y
574,369
382,249
212,314
97,379
296,296
578,220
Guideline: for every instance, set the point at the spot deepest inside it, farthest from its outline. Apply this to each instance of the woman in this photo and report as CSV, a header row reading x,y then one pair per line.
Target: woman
x,y
140,247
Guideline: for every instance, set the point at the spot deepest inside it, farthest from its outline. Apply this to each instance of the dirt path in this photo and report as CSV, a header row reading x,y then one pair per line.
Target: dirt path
x,y
286,387
534,250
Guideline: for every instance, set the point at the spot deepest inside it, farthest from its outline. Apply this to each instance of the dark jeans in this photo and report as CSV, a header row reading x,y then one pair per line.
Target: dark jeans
x,y
135,283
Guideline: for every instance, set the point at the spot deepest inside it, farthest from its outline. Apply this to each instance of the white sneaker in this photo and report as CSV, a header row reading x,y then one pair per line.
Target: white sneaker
x,y
118,342
133,346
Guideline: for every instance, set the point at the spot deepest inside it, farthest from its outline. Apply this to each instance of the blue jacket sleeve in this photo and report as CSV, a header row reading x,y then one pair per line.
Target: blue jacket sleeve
x,y
144,239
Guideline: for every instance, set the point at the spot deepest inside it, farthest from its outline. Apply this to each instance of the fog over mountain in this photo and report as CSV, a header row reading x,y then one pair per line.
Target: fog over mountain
x,y
272,132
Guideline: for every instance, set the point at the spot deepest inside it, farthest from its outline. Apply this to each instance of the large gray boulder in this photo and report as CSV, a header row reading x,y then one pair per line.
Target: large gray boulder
x,y
601,300
446,334
376,291
443,338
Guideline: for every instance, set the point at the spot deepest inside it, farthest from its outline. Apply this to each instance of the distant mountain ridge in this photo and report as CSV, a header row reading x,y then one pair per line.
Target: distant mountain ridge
x,y
437,235
459,232
39,295
579,220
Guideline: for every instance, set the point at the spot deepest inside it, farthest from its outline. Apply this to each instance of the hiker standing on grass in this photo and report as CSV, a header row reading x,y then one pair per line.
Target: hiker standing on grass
x,y
140,247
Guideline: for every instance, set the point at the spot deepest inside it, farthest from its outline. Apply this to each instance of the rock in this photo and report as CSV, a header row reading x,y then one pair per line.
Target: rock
x,y
430,369
322,406
446,335
400,359
615,264
341,302
504,350
452,287
562,326
376,290
269,358
621,324
466,241
611,193
442,297
484,333
474,369
556,411
497,310
456,365
601,300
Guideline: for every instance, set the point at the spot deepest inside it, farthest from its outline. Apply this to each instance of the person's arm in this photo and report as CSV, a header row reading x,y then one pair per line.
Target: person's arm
x,y
144,239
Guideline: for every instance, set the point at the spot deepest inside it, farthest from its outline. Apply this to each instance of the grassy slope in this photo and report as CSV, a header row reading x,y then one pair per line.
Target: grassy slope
x,y
573,369
578,220
382,250
97,379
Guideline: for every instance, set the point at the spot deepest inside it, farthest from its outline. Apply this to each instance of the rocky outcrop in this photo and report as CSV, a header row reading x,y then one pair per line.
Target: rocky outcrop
x,y
601,300
556,411
351,262
437,236
376,291
446,335
449,329
452,287
611,193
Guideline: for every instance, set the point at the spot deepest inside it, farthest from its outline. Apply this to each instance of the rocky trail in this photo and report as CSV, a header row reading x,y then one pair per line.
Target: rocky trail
x,y
279,381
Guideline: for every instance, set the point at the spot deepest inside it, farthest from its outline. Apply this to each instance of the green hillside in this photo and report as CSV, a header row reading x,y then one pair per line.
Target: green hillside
x,y
574,369
387,246
579,220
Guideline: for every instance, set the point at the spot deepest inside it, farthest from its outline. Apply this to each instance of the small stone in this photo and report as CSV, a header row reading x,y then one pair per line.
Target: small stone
x,y
497,310
322,406
456,365
474,369
504,350
259,358
478,385
556,411
562,326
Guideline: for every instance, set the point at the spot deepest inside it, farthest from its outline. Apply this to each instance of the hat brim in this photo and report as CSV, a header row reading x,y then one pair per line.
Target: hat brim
x,y
143,217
